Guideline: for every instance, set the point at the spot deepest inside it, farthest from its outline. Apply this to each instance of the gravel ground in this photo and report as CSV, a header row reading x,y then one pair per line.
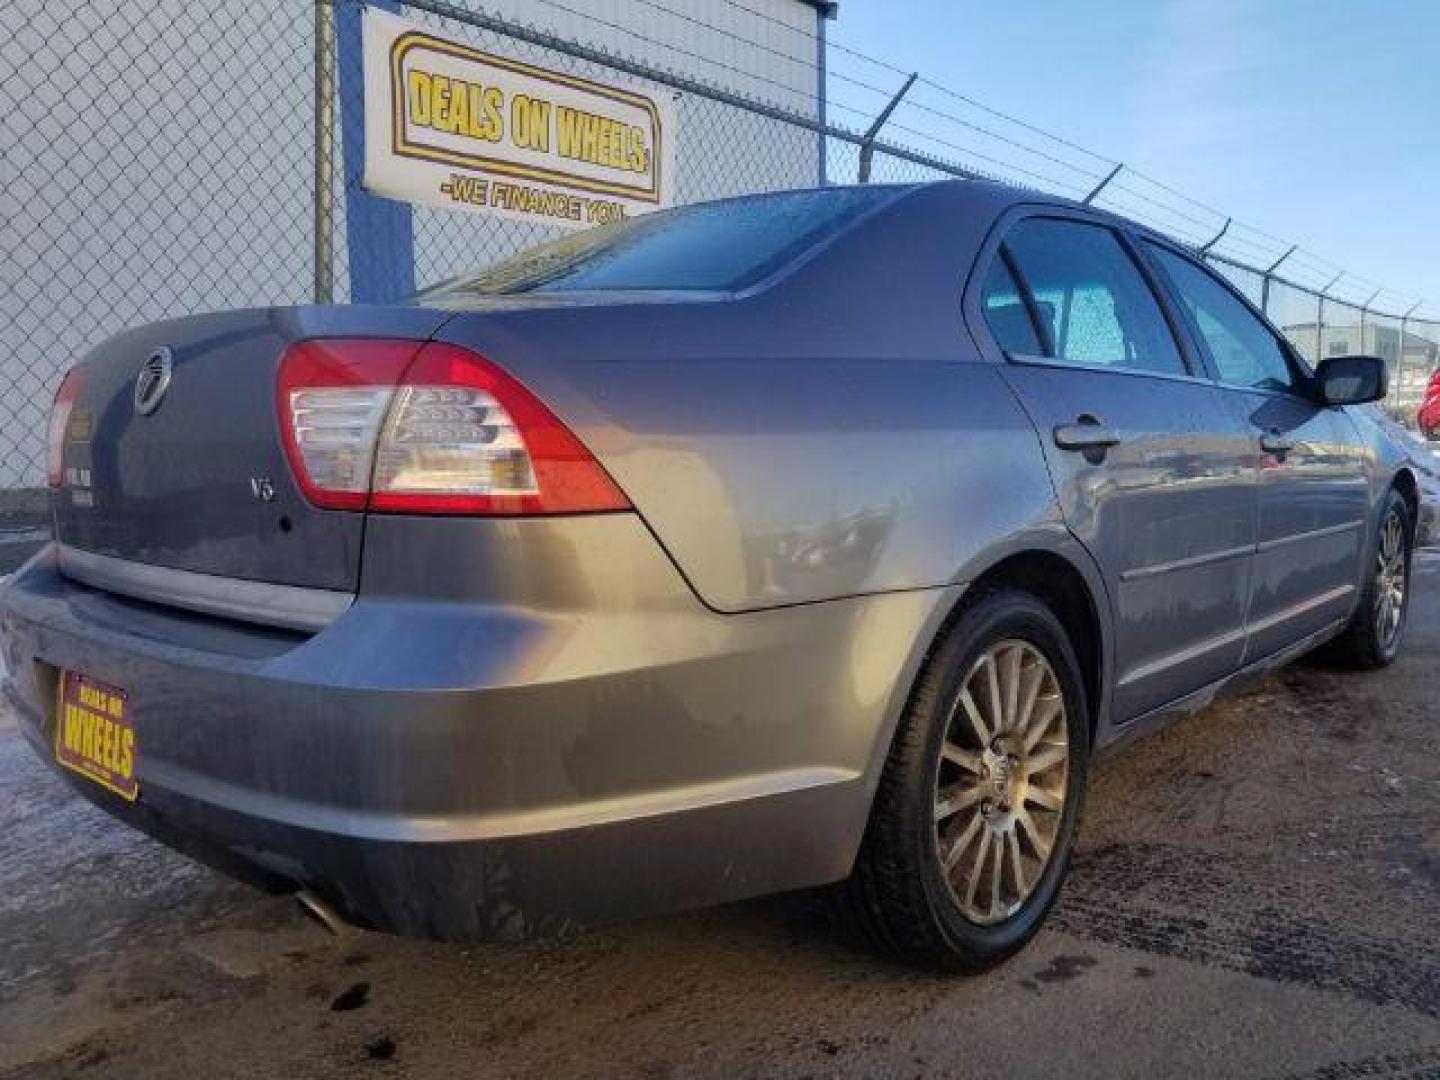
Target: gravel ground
x,y
1256,893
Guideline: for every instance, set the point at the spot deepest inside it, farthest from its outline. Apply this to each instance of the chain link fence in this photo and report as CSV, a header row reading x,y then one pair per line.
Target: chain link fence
x,y
166,158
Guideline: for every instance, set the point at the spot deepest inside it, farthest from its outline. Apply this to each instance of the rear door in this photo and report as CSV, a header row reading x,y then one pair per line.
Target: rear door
x,y
1149,465
1309,463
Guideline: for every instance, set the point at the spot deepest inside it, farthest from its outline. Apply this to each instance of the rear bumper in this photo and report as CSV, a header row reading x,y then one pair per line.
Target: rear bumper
x,y
466,768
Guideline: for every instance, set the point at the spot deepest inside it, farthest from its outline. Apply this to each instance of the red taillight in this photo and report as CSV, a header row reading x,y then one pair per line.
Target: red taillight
x,y
333,397
428,429
60,426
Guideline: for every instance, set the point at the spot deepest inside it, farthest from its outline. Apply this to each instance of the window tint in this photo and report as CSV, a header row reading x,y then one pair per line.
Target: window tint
x,y
1006,312
1242,347
1099,310
719,245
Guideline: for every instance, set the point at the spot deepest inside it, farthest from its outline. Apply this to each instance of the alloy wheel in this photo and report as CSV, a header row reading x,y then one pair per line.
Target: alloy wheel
x,y
1000,788
1390,580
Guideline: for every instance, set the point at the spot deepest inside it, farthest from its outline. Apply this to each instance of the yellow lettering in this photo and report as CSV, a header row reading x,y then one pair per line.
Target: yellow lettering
x,y
599,140
418,84
530,122
639,158
440,103
566,120
460,109
126,765
494,127
72,733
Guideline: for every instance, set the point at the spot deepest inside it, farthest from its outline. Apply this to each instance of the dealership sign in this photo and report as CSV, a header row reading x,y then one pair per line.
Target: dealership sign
x,y
449,125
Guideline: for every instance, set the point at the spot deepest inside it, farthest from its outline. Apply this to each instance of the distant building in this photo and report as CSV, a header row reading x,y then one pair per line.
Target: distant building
x,y
1410,362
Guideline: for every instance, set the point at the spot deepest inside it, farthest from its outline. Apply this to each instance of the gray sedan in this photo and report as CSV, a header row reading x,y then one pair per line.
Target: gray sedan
x,y
812,538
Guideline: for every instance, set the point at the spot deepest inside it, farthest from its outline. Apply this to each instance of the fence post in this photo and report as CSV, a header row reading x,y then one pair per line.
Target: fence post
x,y
1400,348
1265,282
1320,298
1365,310
821,92
867,142
1103,184
1205,247
324,196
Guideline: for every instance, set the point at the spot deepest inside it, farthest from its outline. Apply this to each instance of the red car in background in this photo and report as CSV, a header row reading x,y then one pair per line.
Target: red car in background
x,y
1429,416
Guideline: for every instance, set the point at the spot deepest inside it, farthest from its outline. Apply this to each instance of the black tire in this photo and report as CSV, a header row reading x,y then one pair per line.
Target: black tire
x,y
1362,645
898,895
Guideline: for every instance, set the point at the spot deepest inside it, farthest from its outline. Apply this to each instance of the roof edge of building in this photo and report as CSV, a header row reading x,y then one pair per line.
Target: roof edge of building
x,y
828,9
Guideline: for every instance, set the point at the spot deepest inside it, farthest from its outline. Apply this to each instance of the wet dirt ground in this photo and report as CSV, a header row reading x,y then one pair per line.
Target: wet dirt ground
x,y
1256,893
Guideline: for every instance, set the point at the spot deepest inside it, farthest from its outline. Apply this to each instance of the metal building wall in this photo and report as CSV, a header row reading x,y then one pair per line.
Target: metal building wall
x,y
157,158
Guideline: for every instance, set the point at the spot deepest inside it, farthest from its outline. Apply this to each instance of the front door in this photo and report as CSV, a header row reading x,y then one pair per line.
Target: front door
x,y
1151,468
1309,465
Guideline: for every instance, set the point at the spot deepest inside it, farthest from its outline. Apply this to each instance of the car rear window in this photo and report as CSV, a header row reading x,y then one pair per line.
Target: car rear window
x,y
710,246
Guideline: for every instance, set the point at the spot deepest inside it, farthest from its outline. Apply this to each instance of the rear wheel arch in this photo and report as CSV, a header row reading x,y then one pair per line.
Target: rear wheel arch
x,y
1065,589
1062,586
1048,564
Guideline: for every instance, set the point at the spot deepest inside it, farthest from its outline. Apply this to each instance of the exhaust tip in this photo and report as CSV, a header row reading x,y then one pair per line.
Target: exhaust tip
x,y
321,911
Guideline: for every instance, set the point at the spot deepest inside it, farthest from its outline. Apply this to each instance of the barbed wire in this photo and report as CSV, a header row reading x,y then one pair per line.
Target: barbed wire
x,y
137,208
1156,211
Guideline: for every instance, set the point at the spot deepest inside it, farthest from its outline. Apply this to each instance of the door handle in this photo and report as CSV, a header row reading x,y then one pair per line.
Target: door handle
x,y
1272,442
1087,435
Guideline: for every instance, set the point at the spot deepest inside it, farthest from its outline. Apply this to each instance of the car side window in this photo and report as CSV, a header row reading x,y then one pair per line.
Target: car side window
x,y
1006,312
1244,350
1098,308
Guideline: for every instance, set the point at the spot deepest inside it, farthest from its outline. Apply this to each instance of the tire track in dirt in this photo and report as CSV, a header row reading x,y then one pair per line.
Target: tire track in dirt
x,y
1406,1065
1196,906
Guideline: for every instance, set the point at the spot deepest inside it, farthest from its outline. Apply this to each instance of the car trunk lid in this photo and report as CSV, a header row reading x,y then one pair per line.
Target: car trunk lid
x,y
200,482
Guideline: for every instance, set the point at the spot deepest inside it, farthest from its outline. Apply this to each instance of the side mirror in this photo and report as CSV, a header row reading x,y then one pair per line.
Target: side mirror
x,y
1351,380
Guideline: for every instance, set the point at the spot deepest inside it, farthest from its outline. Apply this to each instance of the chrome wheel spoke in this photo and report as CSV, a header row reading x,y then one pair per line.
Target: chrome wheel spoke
x,y
1038,843
969,760
956,798
1039,796
1044,717
977,869
1028,695
996,873
977,722
1047,756
1010,684
963,841
992,693
1017,863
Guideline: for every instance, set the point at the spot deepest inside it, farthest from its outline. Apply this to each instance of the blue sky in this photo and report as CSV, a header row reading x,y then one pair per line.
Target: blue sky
x,y
1315,120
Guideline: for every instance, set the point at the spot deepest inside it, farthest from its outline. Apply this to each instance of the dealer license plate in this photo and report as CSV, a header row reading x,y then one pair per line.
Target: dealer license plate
x,y
94,735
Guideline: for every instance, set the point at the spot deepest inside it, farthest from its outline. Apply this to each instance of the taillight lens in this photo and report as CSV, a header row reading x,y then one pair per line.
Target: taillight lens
x,y
60,414
333,397
429,429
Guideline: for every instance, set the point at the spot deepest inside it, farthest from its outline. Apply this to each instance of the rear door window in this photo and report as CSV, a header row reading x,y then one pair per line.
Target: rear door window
x,y
1243,349
1007,313
1097,309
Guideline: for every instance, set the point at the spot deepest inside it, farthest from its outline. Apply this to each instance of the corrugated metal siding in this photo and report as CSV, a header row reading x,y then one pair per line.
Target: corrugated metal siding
x,y
769,55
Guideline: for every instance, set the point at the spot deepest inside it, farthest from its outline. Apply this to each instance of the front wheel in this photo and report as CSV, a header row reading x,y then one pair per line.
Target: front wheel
x,y
971,831
1377,629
